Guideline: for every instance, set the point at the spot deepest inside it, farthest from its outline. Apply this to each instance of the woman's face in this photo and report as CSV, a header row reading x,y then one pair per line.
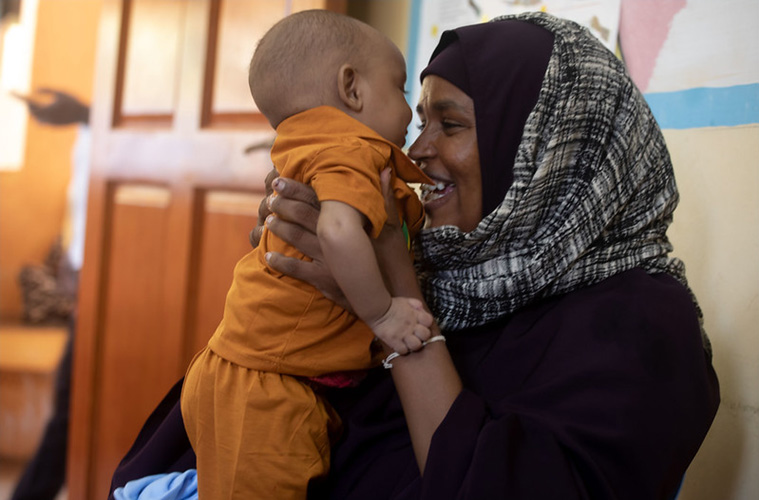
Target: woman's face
x,y
447,152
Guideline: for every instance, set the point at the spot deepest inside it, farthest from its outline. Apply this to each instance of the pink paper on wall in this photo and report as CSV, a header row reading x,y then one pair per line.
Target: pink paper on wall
x,y
643,27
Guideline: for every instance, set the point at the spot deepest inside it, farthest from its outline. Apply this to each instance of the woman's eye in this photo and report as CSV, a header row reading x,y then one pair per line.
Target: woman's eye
x,y
450,125
420,126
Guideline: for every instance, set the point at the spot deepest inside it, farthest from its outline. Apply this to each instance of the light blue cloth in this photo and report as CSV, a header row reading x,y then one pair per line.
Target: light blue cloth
x,y
172,486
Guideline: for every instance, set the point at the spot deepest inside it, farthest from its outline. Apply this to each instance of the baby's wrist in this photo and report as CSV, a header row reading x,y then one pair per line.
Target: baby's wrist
x,y
378,316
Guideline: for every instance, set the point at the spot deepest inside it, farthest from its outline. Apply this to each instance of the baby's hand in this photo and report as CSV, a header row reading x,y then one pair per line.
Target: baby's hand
x,y
404,326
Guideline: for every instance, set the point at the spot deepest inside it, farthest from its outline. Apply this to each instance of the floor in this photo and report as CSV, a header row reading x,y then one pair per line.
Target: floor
x,y
9,474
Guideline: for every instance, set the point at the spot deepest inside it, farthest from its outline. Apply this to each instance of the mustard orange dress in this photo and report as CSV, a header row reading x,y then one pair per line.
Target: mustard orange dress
x,y
258,429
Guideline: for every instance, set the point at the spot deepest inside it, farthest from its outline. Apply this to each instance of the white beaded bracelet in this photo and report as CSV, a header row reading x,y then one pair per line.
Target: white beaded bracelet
x,y
386,362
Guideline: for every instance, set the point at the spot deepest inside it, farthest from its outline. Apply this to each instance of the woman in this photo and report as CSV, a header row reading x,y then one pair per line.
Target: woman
x,y
575,365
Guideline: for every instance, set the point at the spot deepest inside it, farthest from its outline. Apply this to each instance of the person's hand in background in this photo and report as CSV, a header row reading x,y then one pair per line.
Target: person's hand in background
x,y
55,107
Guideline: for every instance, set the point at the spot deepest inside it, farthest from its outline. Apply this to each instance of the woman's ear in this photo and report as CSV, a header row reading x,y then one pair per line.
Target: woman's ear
x,y
348,87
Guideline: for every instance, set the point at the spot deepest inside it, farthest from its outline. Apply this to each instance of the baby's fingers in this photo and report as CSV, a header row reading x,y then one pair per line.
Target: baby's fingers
x,y
399,346
422,333
424,318
415,303
413,343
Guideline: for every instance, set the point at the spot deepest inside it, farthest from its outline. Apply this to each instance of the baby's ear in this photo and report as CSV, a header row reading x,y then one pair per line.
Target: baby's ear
x,y
348,87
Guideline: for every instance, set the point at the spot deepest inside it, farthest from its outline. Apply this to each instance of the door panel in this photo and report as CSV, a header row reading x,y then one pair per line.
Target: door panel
x,y
251,19
150,75
134,339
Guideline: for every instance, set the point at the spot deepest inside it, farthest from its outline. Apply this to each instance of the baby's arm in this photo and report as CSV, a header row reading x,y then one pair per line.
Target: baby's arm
x,y
400,322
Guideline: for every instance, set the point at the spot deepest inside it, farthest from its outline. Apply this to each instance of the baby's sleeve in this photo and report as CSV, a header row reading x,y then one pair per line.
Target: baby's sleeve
x,y
351,174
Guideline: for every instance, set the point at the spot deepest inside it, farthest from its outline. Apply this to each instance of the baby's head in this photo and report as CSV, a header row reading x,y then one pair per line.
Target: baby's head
x,y
316,58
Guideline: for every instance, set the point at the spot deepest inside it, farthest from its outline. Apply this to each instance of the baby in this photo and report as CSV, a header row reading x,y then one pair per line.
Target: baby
x,y
333,88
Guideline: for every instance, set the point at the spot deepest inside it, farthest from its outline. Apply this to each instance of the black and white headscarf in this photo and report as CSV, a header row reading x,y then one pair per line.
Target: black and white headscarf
x,y
592,195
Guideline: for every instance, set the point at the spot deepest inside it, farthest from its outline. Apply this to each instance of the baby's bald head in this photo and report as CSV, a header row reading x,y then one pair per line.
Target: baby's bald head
x,y
295,65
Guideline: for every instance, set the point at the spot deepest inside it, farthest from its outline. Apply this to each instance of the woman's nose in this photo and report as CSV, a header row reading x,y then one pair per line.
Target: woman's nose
x,y
420,148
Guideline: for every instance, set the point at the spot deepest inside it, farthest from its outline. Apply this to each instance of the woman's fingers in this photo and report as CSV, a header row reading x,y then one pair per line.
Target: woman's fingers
x,y
294,211
291,201
254,236
295,268
312,272
263,209
296,191
295,204
296,235
270,177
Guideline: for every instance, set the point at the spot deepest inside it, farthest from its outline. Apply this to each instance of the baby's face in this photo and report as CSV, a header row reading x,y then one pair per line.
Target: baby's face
x,y
385,108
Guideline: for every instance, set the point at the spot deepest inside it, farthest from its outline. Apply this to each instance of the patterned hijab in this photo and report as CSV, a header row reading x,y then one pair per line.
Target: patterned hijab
x,y
592,195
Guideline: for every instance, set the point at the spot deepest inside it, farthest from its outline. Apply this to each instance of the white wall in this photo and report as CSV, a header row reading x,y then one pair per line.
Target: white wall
x,y
716,233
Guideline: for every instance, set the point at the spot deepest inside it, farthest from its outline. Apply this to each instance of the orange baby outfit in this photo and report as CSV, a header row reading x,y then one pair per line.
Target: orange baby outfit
x,y
275,327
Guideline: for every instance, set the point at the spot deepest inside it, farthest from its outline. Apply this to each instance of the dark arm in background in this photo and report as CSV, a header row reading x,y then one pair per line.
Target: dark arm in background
x,y
55,107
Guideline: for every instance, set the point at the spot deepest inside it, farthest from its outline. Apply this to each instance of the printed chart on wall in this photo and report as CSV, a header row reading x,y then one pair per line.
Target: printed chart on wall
x,y
696,64
429,18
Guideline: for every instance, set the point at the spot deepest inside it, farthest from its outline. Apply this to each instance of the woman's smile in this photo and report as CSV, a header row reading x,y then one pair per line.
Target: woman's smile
x,y
435,195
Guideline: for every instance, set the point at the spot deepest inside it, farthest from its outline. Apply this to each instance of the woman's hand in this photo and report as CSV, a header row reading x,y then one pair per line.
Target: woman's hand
x,y
295,211
291,211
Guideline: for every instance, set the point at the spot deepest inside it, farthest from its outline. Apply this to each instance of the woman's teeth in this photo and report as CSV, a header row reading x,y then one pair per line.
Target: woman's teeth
x,y
431,192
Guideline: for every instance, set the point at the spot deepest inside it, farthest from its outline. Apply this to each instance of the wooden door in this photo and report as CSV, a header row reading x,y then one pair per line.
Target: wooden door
x,y
173,194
